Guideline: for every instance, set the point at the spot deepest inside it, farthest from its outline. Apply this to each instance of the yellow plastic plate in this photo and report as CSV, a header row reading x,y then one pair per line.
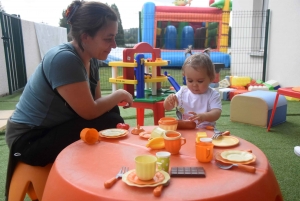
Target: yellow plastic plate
x,y
237,155
225,141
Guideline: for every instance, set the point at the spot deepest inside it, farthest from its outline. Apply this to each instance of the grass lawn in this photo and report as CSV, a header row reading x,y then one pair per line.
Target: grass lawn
x,y
278,145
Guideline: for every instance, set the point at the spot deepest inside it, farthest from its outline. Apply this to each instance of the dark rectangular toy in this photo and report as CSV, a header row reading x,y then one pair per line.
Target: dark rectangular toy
x,y
187,172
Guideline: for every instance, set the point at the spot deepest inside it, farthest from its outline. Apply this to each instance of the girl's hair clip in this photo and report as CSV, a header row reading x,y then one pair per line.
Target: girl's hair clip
x,y
70,13
188,50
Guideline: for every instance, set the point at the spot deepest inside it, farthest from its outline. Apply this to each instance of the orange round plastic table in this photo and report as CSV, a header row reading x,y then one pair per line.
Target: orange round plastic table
x,y
80,171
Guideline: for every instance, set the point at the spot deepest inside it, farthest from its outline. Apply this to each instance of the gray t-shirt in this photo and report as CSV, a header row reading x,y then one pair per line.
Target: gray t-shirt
x,y
40,105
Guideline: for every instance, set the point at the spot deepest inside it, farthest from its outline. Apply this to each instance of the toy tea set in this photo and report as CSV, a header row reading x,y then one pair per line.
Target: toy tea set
x,y
153,171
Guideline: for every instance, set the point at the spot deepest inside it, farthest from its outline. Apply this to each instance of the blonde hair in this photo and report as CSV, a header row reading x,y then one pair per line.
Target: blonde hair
x,y
200,61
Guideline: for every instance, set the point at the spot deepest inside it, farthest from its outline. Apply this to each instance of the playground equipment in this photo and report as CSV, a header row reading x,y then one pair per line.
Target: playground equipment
x,y
174,28
136,72
256,107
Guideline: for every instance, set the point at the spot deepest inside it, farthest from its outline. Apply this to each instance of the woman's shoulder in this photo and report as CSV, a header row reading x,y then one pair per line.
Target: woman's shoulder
x,y
62,49
63,53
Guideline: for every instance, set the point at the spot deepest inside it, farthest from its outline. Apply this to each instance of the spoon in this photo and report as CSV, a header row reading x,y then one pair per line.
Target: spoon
x,y
178,113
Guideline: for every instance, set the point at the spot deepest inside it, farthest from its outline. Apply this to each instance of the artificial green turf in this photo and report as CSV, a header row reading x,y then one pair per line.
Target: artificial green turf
x,y
278,145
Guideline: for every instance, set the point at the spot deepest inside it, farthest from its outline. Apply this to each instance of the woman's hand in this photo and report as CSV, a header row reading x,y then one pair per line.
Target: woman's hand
x,y
125,96
170,102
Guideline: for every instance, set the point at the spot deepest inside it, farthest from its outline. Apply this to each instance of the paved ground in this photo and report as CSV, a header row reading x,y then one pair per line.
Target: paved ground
x,y
4,115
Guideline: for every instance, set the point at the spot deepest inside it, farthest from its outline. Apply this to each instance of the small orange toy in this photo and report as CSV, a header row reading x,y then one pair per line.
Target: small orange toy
x,y
137,130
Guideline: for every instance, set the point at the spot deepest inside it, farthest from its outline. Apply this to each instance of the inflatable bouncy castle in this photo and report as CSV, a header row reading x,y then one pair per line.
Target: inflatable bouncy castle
x,y
174,28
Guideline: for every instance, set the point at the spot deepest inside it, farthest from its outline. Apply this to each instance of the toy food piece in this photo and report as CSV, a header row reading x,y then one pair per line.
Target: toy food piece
x,y
157,132
137,130
200,135
145,134
187,172
123,126
186,124
156,143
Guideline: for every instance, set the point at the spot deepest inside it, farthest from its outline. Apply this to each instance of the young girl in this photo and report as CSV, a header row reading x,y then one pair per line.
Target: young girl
x,y
197,101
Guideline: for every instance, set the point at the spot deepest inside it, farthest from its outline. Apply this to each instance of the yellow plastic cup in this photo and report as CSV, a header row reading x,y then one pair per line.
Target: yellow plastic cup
x,y
145,167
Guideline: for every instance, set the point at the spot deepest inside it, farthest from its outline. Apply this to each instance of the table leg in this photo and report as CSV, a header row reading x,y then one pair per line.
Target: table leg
x,y
273,111
140,116
158,111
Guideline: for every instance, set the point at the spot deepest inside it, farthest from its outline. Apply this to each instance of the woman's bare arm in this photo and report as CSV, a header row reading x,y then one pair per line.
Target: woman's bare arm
x,y
78,96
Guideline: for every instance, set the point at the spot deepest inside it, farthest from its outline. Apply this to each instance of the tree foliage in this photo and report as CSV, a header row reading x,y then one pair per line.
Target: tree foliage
x,y
120,36
131,35
63,23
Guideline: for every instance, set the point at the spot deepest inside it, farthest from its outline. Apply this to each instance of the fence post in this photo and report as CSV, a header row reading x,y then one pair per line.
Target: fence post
x,y
266,46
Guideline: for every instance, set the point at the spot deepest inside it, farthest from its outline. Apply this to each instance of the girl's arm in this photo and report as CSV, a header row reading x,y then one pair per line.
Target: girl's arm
x,y
211,116
170,102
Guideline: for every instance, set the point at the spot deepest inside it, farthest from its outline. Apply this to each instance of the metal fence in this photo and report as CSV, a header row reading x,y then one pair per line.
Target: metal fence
x,y
246,43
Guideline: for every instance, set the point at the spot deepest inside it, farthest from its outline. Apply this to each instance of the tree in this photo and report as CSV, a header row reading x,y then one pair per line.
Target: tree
x,y
1,8
131,35
120,36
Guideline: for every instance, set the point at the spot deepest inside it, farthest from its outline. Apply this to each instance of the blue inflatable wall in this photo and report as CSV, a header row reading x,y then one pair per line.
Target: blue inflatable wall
x,y
148,14
187,37
170,37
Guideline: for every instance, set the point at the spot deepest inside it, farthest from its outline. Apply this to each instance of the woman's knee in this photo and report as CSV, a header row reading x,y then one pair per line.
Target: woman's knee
x,y
114,117
115,109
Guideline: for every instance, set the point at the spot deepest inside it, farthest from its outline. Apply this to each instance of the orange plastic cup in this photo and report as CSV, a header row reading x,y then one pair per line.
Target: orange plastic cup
x,y
204,150
173,141
90,135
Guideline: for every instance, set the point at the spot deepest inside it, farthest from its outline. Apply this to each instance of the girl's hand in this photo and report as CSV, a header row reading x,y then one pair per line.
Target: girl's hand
x,y
170,102
199,117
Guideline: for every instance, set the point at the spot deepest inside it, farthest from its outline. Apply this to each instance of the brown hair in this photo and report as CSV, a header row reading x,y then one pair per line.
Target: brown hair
x,y
88,17
200,61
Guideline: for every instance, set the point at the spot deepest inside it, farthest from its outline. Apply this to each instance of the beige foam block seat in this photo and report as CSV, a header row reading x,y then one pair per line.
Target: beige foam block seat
x,y
28,179
256,107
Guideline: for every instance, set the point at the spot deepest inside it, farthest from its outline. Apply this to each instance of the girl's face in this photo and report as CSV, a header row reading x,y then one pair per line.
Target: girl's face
x,y
196,81
101,44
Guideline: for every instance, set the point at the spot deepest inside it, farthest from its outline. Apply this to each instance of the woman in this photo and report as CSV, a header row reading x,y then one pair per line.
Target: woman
x,y
63,94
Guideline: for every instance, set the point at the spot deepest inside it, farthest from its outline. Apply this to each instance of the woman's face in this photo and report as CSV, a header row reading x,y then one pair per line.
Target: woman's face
x,y
196,81
101,44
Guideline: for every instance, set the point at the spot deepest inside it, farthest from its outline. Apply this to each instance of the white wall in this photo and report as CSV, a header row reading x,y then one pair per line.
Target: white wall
x,y
31,47
246,58
52,37
284,43
283,58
